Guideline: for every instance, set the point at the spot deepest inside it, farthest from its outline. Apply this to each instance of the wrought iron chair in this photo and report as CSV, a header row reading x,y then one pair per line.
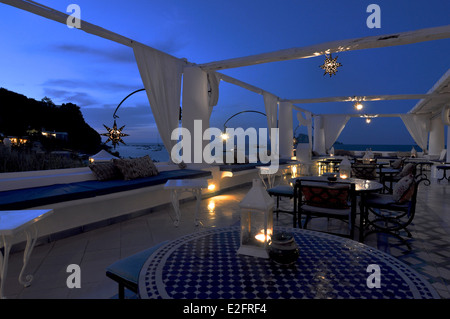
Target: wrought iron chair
x,y
392,213
336,200
286,191
365,171
409,168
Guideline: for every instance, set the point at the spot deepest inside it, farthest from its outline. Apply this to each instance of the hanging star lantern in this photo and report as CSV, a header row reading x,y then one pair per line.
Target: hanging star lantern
x,y
114,134
330,65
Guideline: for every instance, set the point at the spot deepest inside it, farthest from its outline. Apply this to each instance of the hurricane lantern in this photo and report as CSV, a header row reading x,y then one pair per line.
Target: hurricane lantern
x,y
256,221
345,168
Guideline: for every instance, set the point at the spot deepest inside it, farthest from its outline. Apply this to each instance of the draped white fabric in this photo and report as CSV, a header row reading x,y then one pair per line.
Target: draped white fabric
x,y
306,121
161,76
270,103
418,126
333,126
213,88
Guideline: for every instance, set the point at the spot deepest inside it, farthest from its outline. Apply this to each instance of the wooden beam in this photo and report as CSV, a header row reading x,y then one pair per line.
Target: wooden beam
x,y
242,84
370,98
371,42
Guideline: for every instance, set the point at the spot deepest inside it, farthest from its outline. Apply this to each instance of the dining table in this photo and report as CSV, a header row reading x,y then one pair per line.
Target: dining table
x,y
206,265
363,187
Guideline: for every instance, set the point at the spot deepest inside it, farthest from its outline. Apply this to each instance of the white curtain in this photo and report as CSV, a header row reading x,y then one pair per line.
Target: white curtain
x,y
161,75
333,126
213,88
418,127
271,103
306,121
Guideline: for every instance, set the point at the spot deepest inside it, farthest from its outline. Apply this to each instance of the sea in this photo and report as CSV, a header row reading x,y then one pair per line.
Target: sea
x,y
158,152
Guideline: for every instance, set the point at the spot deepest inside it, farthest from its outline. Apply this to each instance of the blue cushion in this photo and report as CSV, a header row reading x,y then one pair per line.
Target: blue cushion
x,y
130,267
45,195
281,191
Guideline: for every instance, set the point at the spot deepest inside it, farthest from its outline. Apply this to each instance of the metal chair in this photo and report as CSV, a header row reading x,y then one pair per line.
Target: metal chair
x,y
409,168
392,213
283,191
336,200
364,171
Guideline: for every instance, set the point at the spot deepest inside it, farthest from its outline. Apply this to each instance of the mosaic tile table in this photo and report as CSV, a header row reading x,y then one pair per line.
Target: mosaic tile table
x,y
205,265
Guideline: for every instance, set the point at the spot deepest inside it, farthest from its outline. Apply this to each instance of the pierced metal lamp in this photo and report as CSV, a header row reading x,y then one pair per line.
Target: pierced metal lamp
x,y
115,134
330,65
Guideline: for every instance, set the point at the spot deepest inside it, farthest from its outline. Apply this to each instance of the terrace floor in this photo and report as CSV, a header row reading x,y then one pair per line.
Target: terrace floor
x,y
93,251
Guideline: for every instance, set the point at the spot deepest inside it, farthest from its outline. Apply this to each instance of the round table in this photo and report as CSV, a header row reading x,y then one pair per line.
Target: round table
x,y
205,265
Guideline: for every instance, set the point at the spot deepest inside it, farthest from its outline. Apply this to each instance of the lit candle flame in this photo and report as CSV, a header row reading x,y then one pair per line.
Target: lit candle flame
x,y
263,238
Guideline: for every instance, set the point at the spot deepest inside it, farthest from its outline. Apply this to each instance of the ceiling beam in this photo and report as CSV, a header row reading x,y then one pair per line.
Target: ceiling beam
x,y
370,98
378,41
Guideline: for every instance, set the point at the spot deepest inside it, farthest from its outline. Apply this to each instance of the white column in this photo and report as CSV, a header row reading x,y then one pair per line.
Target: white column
x,y
319,135
437,137
195,107
286,130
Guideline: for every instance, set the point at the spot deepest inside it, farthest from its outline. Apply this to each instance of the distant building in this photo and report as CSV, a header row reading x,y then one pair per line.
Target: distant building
x,y
15,141
58,135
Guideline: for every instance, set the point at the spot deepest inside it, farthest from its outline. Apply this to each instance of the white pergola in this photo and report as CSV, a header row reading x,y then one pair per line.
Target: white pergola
x,y
161,74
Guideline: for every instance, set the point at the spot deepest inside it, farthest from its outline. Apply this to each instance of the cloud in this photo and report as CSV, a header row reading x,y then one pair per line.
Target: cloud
x,y
170,44
77,84
123,54
78,98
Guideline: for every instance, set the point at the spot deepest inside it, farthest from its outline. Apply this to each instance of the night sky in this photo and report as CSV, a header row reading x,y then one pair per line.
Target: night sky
x,y
40,57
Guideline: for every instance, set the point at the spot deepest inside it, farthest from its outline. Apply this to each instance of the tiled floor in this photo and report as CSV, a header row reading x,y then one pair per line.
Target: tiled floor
x,y
95,250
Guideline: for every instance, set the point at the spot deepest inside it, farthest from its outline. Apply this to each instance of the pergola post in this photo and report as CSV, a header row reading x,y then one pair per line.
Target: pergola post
x,y
195,107
319,135
436,141
286,130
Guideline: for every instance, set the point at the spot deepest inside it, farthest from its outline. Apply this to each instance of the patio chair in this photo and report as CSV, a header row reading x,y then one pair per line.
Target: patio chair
x,y
392,213
280,191
398,163
126,271
335,200
364,171
409,168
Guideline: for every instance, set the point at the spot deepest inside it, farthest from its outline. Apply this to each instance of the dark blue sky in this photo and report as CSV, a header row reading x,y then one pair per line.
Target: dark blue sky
x,y
39,57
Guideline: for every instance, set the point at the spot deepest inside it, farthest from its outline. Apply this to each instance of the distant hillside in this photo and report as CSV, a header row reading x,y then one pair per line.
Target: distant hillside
x,y
21,116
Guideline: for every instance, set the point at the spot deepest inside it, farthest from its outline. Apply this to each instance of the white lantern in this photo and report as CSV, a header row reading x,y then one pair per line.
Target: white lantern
x,y
345,168
331,152
256,221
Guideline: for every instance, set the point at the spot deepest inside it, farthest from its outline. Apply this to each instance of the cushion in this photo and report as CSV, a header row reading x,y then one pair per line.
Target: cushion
x,y
397,163
129,268
408,169
326,197
281,190
45,195
364,171
403,189
133,168
105,171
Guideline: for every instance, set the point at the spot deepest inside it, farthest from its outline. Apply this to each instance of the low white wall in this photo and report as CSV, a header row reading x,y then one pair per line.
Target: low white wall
x,y
75,214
